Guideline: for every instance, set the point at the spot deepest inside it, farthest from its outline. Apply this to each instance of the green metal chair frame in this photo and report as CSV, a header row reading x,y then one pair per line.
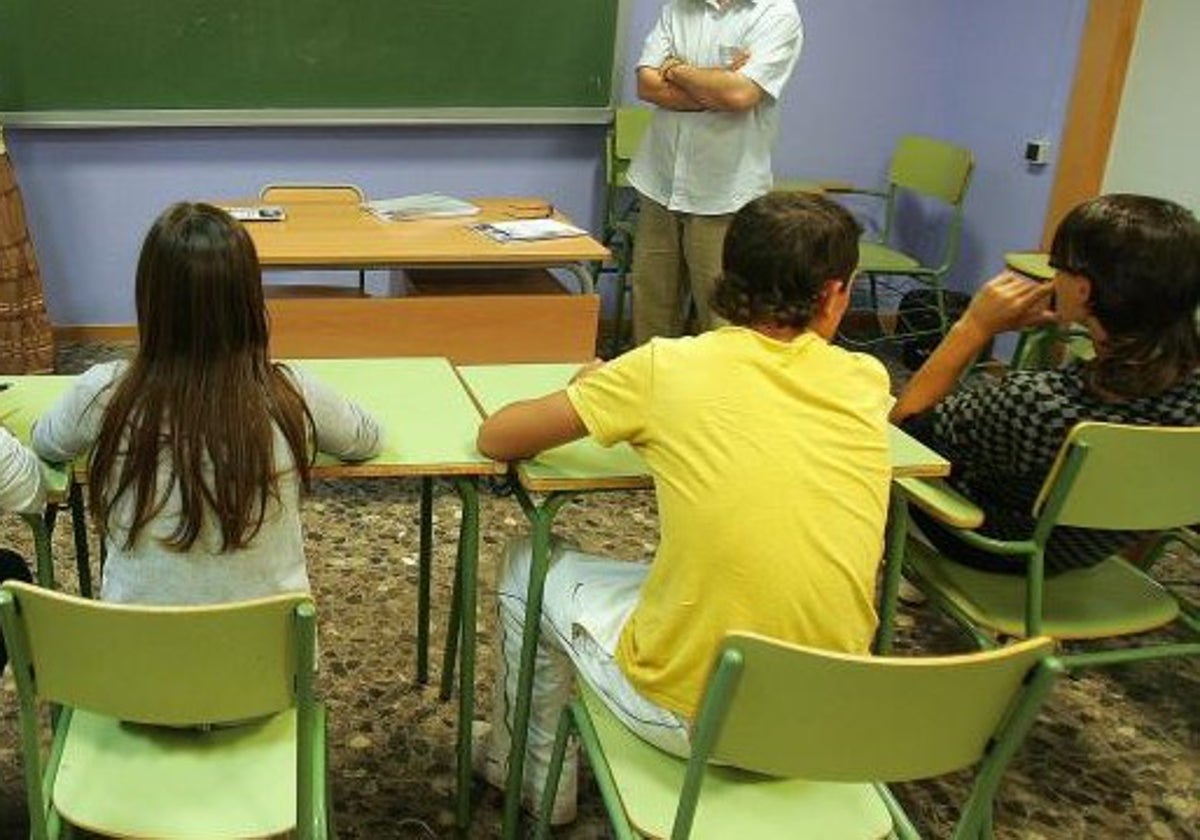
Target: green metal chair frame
x,y
131,686
933,169
621,203
1107,476
797,742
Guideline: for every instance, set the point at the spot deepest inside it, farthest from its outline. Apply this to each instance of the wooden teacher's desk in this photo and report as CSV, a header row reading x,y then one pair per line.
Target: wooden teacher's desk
x,y
339,234
478,327
583,466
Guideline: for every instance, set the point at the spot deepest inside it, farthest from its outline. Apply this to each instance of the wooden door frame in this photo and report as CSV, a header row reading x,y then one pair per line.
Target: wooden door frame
x,y
1104,52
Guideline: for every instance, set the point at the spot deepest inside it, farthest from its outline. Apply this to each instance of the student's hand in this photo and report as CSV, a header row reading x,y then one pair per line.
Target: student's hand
x,y
588,369
1010,302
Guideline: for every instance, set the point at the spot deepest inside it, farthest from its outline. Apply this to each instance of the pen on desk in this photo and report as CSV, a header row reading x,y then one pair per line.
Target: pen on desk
x,y
532,210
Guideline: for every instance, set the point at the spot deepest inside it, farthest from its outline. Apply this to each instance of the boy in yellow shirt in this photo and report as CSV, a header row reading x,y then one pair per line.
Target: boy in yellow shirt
x,y
768,447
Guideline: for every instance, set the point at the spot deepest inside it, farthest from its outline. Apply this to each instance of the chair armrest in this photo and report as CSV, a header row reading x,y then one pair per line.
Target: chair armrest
x,y
942,502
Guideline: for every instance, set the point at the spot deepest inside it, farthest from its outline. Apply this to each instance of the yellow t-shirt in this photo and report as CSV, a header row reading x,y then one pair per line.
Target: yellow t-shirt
x,y
771,468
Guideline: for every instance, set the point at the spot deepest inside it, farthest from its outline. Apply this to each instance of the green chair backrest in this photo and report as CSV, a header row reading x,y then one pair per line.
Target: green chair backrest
x,y
931,167
801,712
170,666
629,124
1115,476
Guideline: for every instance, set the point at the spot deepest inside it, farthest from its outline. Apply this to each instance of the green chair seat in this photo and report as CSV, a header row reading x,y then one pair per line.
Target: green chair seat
x,y
1112,598
228,782
874,258
735,804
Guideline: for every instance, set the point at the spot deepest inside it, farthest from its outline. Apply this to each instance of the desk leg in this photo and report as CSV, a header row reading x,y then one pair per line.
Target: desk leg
x,y
541,519
423,583
41,525
453,621
79,529
895,540
466,577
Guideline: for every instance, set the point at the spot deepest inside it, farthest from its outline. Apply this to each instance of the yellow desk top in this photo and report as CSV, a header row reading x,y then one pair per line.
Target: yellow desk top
x,y
429,418
340,234
585,465
20,405
1035,264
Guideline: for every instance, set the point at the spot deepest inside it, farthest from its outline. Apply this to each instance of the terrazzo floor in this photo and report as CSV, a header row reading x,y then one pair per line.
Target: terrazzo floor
x,y
1114,753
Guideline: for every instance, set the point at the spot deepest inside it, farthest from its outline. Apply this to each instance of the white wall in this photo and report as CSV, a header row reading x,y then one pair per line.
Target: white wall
x,y
1155,148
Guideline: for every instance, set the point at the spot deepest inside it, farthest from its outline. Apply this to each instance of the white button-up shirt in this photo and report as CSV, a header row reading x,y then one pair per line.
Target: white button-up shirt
x,y
713,162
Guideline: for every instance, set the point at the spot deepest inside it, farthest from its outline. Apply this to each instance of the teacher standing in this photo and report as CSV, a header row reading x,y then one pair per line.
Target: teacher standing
x,y
715,70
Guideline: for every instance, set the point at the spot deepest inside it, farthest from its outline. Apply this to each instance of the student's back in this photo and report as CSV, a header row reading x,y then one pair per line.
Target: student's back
x,y
200,445
771,469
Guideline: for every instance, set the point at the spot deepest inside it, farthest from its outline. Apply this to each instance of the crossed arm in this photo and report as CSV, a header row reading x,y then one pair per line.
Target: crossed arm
x,y
679,86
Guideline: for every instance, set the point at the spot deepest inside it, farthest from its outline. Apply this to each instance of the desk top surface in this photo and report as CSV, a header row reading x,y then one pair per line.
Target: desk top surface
x,y
340,233
584,464
429,418
20,405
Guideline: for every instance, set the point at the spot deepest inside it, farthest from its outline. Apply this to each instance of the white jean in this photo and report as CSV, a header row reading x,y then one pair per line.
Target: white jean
x,y
587,601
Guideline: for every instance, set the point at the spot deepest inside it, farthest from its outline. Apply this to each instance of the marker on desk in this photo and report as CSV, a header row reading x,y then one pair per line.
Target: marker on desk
x,y
529,210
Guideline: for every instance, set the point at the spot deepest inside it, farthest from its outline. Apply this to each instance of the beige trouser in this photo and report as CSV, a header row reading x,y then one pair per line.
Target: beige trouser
x,y
674,254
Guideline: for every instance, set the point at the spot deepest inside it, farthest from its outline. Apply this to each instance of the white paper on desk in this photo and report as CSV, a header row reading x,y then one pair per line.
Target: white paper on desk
x,y
257,213
529,230
423,206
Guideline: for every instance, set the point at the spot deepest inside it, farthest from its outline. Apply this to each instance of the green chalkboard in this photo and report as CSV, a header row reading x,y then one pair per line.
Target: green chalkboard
x,y
105,58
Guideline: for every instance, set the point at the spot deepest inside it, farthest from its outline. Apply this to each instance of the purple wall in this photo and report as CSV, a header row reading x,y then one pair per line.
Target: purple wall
x,y
987,75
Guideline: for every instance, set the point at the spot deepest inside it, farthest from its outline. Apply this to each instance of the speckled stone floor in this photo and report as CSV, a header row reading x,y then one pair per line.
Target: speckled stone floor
x,y
1114,754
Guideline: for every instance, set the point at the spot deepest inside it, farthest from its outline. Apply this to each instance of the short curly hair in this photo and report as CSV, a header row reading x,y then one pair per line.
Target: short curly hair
x,y
780,251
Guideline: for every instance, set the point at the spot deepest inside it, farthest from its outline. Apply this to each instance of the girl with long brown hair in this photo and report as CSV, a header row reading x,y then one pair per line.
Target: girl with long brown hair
x,y
200,445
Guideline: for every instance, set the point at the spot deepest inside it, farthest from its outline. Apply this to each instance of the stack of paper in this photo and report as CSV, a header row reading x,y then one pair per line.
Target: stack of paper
x,y
423,206
528,230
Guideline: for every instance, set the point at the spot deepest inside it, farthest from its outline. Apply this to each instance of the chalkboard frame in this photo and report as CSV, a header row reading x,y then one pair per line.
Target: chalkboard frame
x,y
186,117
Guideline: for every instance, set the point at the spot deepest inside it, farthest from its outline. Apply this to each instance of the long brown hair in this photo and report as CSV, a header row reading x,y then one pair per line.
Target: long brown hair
x,y
197,407
1142,257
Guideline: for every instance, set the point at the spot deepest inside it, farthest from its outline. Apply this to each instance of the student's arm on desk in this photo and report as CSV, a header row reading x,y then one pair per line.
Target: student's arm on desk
x,y
523,429
21,487
1006,302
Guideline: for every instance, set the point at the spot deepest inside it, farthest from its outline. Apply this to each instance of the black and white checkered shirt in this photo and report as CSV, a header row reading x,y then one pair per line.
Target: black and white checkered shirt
x,y
1002,437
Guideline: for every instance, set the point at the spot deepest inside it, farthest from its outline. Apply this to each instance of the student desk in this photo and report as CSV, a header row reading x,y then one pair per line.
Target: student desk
x,y
586,466
20,405
430,425
333,234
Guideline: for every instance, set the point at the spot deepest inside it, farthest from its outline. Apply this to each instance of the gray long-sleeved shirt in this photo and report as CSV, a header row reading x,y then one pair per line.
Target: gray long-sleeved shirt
x,y
21,487
151,573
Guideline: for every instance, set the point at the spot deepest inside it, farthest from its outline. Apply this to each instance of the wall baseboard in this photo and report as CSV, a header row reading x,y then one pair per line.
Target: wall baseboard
x,y
76,333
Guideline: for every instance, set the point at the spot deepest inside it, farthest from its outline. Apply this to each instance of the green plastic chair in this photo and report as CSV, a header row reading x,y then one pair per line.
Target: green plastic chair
x,y
932,169
621,204
133,686
1107,476
797,742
